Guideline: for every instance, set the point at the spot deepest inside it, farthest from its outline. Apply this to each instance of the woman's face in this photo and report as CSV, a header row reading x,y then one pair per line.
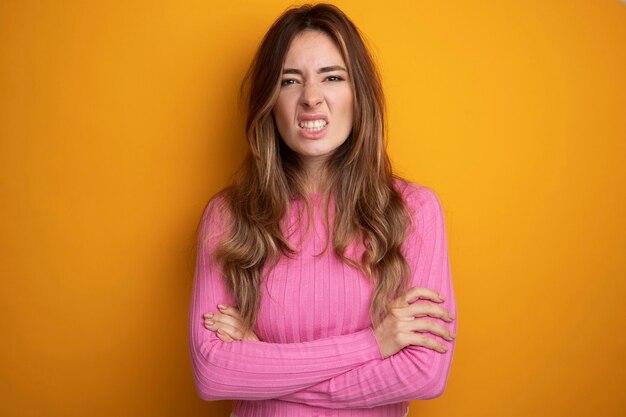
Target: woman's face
x,y
314,109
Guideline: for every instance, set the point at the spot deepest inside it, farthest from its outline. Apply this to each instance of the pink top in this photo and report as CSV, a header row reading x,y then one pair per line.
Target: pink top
x,y
319,356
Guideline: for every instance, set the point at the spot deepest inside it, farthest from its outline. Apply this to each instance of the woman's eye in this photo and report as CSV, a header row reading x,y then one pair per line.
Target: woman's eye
x,y
334,78
287,81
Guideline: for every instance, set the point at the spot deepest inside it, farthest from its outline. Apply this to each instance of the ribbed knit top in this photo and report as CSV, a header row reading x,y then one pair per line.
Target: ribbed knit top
x,y
319,355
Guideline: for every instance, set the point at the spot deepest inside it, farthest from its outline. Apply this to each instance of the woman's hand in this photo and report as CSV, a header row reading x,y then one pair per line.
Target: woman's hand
x,y
401,326
228,324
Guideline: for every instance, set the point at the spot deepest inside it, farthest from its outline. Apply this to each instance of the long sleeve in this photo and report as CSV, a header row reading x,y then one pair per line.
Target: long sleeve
x,y
257,370
414,372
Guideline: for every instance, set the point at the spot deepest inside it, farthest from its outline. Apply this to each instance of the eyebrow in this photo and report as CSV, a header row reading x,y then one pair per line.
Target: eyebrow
x,y
319,71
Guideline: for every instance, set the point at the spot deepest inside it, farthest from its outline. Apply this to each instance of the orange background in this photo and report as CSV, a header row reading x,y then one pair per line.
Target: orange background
x,y
118,120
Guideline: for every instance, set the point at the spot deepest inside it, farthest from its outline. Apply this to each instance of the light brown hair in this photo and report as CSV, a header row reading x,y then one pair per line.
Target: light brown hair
x,y
359,174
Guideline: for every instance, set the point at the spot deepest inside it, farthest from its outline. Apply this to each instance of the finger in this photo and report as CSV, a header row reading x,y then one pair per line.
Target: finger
x,y
215,325
233,332
417,339
234,326
231,311
419,293
226,319
428,309
224,337
429,326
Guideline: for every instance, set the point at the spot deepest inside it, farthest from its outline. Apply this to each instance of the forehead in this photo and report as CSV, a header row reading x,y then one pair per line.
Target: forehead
x,y
313,48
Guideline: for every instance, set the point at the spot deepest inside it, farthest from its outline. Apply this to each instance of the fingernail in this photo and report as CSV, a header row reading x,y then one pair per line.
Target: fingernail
x,y
442,298
221,306
210,322
208,315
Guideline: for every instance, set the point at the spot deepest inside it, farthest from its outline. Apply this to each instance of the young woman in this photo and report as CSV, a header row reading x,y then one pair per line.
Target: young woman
x,y
322,283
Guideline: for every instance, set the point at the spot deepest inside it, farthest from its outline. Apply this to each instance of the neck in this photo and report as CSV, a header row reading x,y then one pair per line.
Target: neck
x,y
316,177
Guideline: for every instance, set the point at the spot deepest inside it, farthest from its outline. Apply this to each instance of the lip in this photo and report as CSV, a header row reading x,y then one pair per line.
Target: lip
x,y
308,134
312,135
304,117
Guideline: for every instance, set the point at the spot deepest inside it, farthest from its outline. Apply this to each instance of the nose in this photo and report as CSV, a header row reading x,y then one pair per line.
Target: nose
x,y
311,95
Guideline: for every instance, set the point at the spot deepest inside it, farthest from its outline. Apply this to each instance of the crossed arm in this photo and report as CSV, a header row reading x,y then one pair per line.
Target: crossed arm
x,y
407,356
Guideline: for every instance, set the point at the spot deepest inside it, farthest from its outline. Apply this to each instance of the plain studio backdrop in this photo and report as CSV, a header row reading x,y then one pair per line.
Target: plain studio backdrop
x,y
119,119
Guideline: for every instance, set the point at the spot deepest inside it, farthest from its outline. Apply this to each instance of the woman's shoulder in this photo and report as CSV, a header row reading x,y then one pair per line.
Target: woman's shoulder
x,y
217,206
416,196
216,216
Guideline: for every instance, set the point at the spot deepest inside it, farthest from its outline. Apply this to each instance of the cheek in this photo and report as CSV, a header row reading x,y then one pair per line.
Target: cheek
x,y
350,109
344,105
283,111
347,110
280,116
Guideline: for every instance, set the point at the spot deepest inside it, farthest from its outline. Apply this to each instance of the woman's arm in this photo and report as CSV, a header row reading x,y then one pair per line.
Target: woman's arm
x,y
415,372
257,370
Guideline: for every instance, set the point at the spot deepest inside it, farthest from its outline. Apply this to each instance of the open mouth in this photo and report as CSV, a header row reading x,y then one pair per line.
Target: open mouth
x,y
313,125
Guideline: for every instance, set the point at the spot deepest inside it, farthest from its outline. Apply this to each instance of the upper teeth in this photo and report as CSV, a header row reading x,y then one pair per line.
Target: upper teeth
x,y
313,124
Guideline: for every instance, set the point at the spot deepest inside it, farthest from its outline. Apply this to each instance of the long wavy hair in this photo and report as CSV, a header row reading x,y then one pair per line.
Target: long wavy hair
x,y
359,174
